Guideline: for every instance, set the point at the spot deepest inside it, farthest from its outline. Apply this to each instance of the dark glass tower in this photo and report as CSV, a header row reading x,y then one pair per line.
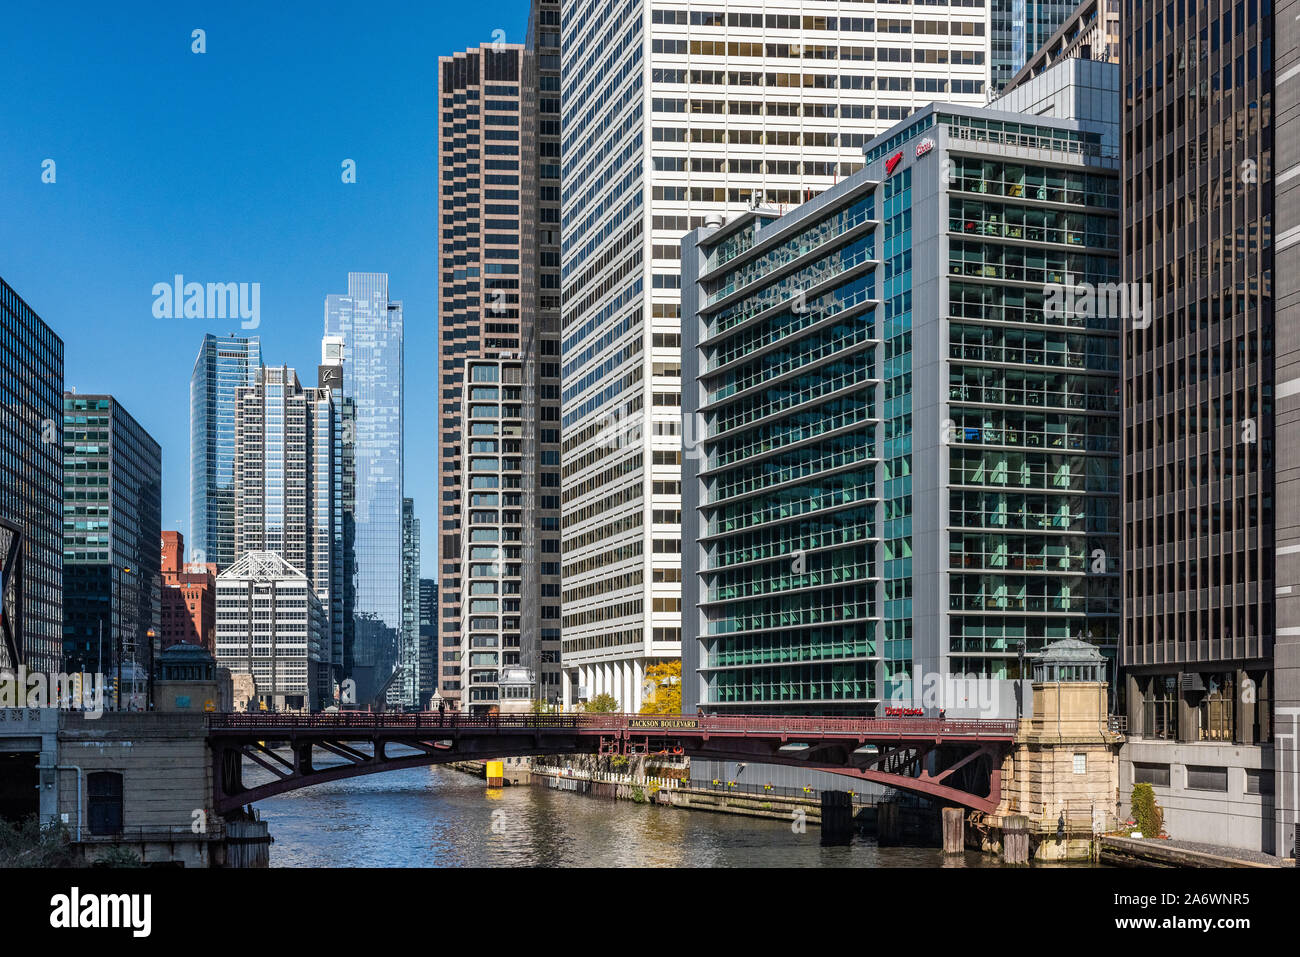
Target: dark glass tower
x,y
540,331
1211,551
31,486
428,639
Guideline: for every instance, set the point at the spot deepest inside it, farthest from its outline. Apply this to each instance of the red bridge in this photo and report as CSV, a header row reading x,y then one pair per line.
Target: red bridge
x,y
956,762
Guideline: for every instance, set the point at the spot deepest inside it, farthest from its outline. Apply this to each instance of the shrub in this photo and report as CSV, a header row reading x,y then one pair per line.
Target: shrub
x,y
1146,812
119,857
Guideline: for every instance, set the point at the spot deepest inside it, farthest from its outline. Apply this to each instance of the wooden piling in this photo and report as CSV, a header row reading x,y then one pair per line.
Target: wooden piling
x,y
1015,839
248,844
954,836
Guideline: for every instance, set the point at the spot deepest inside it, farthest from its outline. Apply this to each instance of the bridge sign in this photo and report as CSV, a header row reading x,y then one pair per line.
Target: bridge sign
x,y
670,723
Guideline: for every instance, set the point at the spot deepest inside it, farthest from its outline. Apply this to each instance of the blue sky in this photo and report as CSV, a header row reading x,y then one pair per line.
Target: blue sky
x,y
226,167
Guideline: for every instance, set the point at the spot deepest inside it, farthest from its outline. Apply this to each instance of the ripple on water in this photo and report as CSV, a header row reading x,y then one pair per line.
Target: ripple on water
x,y
437,817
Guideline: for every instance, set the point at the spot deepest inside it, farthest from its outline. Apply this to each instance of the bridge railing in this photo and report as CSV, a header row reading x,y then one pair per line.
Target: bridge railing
x,y
661,724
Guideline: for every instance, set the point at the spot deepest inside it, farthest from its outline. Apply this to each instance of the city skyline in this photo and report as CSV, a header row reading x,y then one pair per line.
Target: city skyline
x,y
901,397
256,218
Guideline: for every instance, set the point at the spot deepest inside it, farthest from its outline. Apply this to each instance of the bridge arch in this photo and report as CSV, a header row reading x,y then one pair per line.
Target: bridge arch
x,y
957,762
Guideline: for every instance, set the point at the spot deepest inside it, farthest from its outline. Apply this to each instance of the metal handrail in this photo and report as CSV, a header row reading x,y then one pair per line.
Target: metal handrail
x,y
613,722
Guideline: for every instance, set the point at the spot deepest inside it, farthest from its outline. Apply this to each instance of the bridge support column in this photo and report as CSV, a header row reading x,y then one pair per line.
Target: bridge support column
x,y
837,817
888,825
954,835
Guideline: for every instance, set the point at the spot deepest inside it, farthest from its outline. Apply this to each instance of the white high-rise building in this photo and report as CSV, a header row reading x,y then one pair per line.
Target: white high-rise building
x,y
271,625
286,488
674,113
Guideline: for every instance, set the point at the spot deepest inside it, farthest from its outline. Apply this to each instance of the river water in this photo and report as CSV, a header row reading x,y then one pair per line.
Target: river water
x,y
438,817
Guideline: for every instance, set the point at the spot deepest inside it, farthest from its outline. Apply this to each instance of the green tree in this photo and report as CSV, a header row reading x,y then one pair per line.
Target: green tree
x,y
666,698
603,703
31,844
1146,812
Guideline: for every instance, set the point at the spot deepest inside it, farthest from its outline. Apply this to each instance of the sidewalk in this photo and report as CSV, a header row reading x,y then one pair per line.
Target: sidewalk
x,y
1236,853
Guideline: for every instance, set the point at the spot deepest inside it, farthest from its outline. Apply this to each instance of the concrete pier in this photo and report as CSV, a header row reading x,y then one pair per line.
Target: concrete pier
x,y
837,817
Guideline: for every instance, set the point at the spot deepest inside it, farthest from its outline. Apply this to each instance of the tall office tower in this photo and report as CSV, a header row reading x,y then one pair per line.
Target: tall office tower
x,y
343,591
189,598
270,625
112,527
285,483
223,365
1017,28
31,488
405,692
1090,32
428,640
492,530
1211,645
673,113
479,258
540,332
370,326
906,464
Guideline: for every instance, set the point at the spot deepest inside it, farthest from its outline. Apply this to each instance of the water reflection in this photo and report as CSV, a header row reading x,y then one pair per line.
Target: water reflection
x,y
435,817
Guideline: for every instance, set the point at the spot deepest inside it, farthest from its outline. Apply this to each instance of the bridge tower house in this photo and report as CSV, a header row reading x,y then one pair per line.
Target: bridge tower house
x,y
1063,771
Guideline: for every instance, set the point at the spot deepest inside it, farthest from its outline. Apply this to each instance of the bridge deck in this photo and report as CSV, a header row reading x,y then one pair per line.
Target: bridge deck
x,y
868,729
895,751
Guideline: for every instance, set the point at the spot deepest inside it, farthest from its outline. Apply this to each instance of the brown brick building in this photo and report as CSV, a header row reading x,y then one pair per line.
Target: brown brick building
x,y
188,597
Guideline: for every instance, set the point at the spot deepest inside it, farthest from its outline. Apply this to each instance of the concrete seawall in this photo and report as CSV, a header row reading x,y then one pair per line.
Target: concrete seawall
x,y
772,807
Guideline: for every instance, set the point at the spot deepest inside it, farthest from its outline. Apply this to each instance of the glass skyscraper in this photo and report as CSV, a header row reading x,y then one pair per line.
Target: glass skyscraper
x,y
429,650
31,483
1018,28
224,364
370,326
343,565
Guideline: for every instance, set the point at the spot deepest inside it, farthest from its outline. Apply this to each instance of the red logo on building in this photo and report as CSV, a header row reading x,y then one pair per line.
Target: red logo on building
x,y
892,162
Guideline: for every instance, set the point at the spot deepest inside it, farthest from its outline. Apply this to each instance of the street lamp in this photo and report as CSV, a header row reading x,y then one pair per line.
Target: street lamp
x,y
153,660
1020,679
117,610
